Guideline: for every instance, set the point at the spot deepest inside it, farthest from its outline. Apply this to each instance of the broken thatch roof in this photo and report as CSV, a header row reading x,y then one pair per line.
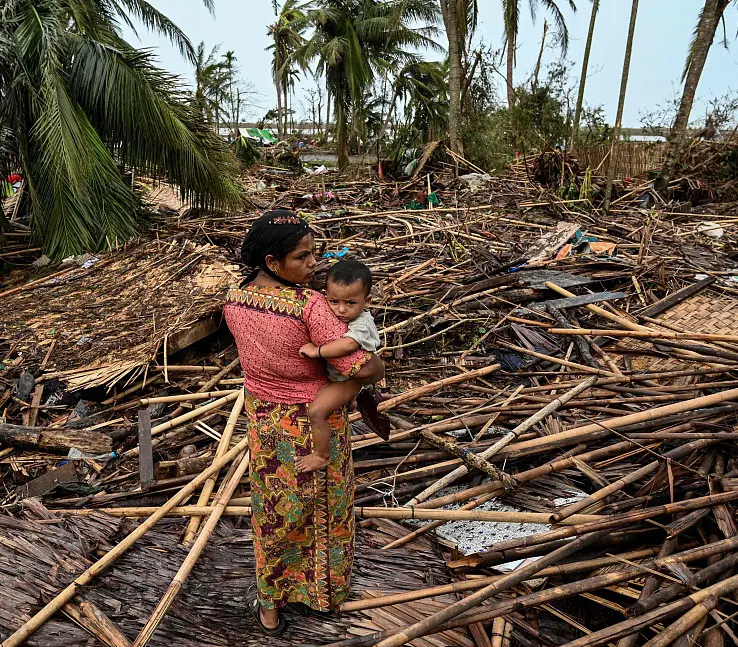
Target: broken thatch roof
x,y
42,552
100,317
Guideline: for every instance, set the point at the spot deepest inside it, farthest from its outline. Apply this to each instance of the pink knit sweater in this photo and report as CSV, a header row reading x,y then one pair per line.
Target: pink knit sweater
x,y
270,325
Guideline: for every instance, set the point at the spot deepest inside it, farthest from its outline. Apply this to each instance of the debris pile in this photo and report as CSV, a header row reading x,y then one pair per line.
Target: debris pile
x,y
563,389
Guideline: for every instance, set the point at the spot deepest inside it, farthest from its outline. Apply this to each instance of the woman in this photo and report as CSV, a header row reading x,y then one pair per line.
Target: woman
x,y
303,523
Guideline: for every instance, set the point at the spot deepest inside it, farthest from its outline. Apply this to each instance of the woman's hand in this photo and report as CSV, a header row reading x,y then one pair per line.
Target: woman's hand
x,y
310,350
372,372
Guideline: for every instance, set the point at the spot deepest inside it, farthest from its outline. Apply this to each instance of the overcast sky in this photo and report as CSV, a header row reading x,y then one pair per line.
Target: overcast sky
x,y
663,33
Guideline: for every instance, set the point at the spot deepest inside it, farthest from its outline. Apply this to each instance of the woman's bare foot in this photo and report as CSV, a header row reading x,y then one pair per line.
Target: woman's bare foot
x,y
311,462
269,618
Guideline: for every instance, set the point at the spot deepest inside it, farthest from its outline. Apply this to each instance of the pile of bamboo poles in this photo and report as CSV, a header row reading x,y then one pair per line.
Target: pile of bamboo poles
x,y
603,434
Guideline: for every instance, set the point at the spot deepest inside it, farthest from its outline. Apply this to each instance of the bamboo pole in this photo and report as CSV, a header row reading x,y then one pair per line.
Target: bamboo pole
x,y
187,397
362,512
633,625
578,434
478,583
419,392
522,427
468,515
213,381
644,334
231,481
223,444
66,594
409,633
603,493
555,404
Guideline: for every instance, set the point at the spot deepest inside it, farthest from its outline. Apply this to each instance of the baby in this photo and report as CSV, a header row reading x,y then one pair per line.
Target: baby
x,y
348,289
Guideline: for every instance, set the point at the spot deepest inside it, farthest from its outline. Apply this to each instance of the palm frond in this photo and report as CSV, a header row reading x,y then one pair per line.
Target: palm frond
x,y
156,21
145,118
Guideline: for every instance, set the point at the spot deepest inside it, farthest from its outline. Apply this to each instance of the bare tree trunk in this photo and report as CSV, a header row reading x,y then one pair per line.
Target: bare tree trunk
x,y
583,77
327,112
285,102
540,55
278,86
451,22
621,104
342,135
390,111
510,70
708,23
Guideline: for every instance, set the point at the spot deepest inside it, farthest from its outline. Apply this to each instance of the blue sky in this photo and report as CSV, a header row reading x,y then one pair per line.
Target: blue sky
x,y
663,32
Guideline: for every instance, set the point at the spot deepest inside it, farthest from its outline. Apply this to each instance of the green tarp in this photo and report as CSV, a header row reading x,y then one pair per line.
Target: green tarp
x,y
262,135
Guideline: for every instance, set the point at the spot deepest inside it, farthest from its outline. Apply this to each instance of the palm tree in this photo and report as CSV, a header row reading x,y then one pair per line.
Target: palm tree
x,y
78,104
511,18
583,76
704,34
454,27
210,79
353,39
423,88
621,104
287,34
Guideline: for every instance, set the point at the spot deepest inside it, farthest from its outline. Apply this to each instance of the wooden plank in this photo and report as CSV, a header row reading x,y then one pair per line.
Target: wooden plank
x,y
677,297
191,335
67,473
145,452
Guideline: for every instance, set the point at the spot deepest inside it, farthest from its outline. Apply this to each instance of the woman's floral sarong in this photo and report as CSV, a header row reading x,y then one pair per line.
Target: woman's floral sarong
x,y
303,524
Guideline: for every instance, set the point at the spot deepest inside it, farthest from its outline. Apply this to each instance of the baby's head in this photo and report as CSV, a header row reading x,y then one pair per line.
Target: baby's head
x,y
347,289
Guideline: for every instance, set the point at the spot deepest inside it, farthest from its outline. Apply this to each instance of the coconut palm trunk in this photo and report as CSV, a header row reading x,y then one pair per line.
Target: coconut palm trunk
x,y
621,105
709,19
278,87
510,70
451,23
583,77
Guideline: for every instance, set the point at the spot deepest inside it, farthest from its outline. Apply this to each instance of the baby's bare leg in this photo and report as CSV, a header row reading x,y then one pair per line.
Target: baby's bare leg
x,y
330,398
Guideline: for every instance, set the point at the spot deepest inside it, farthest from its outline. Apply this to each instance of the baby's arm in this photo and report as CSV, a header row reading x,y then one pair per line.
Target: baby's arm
x,y
338,348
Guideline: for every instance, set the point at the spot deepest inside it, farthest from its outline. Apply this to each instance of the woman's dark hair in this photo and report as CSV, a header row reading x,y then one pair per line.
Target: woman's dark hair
x,y
348,272
276,234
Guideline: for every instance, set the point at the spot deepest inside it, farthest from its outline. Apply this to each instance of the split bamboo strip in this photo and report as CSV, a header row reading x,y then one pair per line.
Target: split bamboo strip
x,y
519,575
232,479
223,444
439,309
66,594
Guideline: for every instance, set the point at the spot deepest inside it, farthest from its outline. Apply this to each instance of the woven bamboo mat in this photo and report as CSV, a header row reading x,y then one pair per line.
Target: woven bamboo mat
x,y
705,313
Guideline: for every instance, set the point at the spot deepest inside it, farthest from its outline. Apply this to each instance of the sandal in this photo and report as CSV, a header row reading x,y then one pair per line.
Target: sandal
x,y
255,609
377,422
